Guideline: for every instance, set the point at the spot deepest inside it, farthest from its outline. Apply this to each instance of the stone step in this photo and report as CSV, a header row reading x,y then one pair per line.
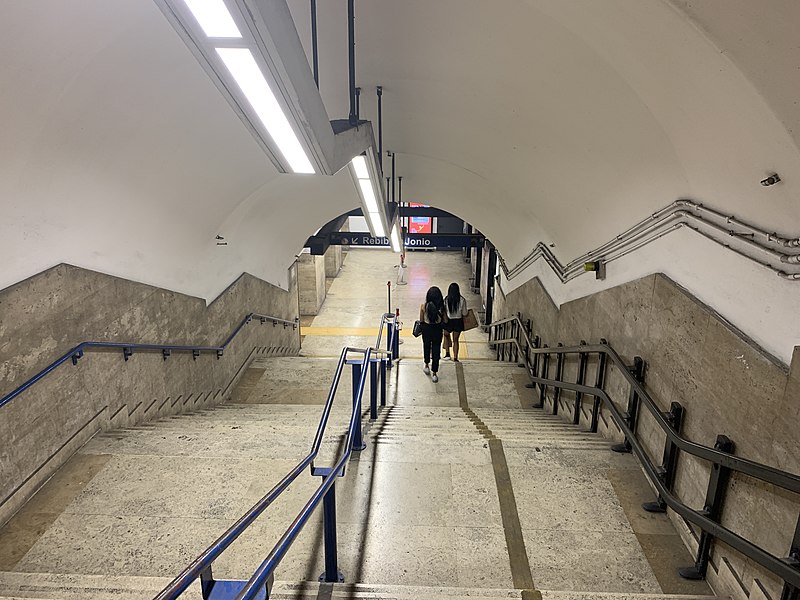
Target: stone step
x,y
46,586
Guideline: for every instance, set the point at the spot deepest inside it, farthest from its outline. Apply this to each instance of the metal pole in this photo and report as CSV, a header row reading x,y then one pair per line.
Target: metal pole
x,y
351,36
358,103
358,442
393,177
314,55
373,390
383,382
389,291
332,573
380,124
400,189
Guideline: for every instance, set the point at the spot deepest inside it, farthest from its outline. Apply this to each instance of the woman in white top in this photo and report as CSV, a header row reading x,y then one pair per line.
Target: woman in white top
x,y
456,308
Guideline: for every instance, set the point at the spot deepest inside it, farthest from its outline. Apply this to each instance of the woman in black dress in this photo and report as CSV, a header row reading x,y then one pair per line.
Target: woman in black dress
x,y
455,309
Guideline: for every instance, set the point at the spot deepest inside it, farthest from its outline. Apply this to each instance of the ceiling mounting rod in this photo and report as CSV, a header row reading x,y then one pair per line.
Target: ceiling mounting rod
x,y
400,189
351,37
314,53
393,196
379,91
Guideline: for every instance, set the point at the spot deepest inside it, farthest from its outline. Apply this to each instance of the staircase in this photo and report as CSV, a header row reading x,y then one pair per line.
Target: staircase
x,y
423,511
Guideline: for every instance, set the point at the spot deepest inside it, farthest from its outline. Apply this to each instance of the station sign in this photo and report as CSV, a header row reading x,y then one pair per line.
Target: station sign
x,y
421,240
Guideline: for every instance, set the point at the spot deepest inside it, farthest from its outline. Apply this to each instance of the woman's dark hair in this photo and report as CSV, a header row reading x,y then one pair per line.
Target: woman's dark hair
x,y
433,304
453,297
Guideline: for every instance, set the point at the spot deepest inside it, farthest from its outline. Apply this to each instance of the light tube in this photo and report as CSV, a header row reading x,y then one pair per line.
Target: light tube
x,y
360,166
377,225
368,194
254,86
395,239
214,18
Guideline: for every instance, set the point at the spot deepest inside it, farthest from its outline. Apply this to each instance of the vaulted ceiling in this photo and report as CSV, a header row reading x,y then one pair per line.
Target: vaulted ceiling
x,y
536,120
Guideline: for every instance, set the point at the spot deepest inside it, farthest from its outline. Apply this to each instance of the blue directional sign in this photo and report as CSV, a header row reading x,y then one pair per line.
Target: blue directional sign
x,y
419,240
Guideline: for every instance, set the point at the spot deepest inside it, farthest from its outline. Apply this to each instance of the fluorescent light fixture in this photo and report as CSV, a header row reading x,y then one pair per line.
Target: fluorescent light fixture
x,y
360,165
396,246
377,226
369,195
214,18
244,69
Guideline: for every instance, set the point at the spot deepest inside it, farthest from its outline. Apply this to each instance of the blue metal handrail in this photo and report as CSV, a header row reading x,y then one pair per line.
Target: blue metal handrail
x,y
201,566
267,568
78,351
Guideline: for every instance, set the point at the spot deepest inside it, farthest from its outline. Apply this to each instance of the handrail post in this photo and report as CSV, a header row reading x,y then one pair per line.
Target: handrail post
x,y
358,442
789,591
396,340
390,329
599,383
631,414
559,375
373,390
534,367
580,380
332,574
383,381
545,373
206,582
670,461
715,496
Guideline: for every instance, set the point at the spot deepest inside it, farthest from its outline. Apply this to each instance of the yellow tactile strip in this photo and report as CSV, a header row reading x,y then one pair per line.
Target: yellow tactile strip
x,y
372,332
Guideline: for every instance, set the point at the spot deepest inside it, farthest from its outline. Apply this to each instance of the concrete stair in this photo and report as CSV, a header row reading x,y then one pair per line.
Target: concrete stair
x,y
46,586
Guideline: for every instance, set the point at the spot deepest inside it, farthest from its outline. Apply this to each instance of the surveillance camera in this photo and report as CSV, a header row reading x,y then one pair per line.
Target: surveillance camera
x,y
771,180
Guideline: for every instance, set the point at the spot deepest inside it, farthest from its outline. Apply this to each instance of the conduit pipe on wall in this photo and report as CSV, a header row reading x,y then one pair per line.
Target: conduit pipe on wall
x,y
708,222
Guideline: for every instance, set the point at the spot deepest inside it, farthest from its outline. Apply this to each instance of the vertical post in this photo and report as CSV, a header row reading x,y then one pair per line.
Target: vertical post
x,y
583,361
396,345
669,463
715,496
373,390
534,367
332,573
358,103
559,374
383,381
389,292
314,53
206,582
599,382
393,178
351,44
400,189
358,442
542,386
379,91
632,412
790,592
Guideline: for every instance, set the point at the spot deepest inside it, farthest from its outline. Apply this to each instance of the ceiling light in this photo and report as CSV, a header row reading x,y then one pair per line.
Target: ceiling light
x,y
254,86
360,165
214,18
396,246
377,225
369,195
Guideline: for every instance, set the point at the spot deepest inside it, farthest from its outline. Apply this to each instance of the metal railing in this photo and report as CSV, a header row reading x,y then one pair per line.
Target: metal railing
x,y
76,353
261,581
512,340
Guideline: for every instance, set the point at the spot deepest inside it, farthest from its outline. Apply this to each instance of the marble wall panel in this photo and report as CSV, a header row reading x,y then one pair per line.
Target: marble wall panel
x,y
726,384
44,316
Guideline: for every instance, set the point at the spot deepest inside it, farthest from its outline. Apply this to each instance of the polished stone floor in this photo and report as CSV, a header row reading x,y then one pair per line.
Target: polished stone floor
x,y
462,490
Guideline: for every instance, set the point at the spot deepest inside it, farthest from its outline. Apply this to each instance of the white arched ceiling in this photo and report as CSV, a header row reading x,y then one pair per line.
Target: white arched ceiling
x,y
537,120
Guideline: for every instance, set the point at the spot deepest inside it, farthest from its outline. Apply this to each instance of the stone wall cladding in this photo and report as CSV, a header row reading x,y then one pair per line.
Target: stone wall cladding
x,y
311,283
726,384
43,317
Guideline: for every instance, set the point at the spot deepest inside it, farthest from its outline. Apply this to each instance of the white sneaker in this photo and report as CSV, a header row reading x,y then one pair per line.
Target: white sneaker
x,y
426,370
435,378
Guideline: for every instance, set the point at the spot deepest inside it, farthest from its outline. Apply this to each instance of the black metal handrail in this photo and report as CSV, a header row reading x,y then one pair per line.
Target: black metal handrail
x,y
77,352
787,568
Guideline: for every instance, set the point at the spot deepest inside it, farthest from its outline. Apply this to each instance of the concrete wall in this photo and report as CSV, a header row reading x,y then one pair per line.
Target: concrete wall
x,y
333,261
726,384
311,283
43,317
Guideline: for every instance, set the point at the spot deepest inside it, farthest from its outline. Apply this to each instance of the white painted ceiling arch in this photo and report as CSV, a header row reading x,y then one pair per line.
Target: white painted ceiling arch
x,y
536,120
